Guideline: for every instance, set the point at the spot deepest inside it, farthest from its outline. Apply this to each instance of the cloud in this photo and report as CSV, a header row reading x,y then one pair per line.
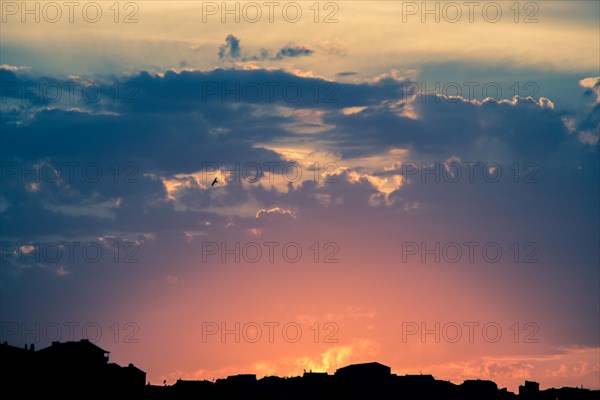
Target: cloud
x,y
593,84
347,73
494,369
168,137
231,51
14,67
293,51
334,357
104,209
178,133
231,48
555,367
335,47
275,210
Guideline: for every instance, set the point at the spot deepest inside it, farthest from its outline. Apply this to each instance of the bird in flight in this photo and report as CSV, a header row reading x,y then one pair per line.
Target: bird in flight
x,y
213,184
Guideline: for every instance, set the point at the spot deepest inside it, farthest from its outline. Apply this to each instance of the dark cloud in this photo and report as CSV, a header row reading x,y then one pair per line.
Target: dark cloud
x,y
293,51
231,50
175,129
347,73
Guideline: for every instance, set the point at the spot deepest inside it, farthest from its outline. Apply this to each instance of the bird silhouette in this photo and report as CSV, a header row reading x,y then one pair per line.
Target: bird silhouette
x,y
213,184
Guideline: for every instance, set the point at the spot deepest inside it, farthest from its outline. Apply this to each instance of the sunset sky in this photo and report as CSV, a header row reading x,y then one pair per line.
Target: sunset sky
x,y
404,182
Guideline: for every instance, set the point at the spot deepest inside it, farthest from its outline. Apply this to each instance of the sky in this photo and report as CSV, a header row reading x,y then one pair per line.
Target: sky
x,y
413,183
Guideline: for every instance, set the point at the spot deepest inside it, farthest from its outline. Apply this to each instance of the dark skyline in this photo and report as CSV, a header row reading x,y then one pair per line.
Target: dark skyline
x,y
72,368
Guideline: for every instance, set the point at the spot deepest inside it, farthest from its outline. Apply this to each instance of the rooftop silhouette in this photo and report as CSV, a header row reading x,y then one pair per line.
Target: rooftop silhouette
x,y
71,370
82,370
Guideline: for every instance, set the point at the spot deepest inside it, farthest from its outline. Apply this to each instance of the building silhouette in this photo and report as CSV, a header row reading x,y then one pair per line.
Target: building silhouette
x,y
372,371
71,370
529,390
76,370
358,381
